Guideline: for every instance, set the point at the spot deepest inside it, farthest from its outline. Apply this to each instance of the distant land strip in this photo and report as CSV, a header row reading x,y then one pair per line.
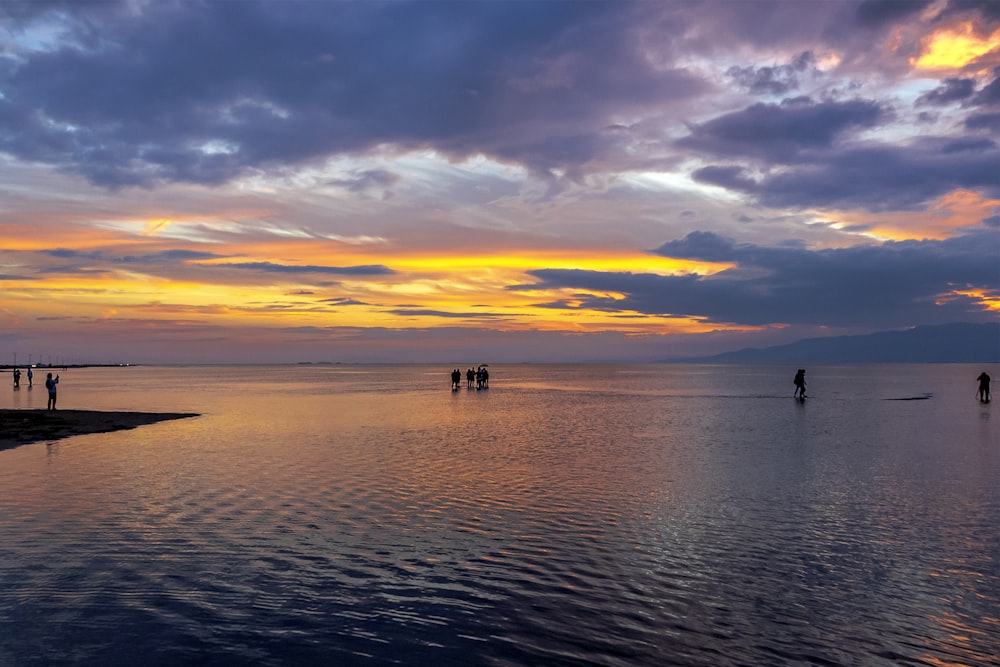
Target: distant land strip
x,y
22,427
956,343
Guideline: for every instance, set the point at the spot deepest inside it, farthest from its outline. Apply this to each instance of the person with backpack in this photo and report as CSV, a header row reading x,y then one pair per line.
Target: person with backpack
x,y
800,384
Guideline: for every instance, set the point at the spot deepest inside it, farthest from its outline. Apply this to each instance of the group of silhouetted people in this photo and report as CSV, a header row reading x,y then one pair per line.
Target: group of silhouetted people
x,y
50,385
17,378
480,377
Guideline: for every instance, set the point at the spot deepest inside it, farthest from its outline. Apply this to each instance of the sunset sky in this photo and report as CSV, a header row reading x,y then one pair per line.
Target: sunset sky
x,y
491,181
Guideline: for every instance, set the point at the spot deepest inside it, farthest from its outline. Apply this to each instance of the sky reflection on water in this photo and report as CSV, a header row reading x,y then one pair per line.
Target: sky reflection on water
x,y
568,515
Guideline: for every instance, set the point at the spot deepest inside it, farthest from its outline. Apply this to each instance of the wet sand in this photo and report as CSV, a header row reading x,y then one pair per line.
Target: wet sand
x,y
22,427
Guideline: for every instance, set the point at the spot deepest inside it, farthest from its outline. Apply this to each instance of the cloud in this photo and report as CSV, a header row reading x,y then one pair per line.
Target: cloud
x,y
891,285
951,90
984,121
184,256
520,131
364,179
271,267
990,94
423,312
781,132
878,13
772,80
987,10
262,85
876,177
343,301
174,255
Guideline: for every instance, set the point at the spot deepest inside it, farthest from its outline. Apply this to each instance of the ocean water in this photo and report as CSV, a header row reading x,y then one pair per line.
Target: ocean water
x,y
568,515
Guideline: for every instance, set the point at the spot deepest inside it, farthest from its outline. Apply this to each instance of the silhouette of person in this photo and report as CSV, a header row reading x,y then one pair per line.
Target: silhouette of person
x,y
470,377
800,383
50,384
17,378
30,375
456,378
984,387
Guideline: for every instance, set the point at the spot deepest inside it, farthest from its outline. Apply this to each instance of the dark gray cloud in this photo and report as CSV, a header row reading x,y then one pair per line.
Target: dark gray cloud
x,y
261,85
951,90
988,10
174,255
201,92
984,121
990,94
184,256
271,267
890,285
140,93
877,13
772,80
781,132
875,177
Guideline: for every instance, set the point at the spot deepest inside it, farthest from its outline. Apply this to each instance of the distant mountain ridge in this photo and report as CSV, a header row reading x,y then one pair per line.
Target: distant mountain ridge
x,y
945,343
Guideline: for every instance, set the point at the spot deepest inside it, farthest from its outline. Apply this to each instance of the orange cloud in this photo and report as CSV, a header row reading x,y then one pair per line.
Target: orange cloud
x,y
987,300
957,209
954,47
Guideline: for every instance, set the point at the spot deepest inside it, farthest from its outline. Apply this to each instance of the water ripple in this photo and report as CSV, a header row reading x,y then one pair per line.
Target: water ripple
x,y
634,526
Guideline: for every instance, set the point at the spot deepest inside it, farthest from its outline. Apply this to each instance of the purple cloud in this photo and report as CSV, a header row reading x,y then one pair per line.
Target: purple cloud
x,y
259,85
951,90
781,132
892,285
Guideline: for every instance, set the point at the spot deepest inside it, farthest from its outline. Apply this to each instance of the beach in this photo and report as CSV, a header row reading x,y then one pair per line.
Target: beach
x,y
22,427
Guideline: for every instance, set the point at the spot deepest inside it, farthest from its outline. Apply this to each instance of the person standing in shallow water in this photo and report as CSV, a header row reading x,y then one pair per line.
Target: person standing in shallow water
x,y
984,387
800,383
50,384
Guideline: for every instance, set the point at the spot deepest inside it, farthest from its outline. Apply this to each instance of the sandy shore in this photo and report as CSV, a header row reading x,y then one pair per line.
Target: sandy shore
x,y
21,427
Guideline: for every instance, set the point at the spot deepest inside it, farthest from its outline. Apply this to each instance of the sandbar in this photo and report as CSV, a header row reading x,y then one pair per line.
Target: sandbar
x,y
22,427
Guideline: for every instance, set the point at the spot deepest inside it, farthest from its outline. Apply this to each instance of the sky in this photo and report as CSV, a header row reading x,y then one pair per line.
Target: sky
x,y
478,181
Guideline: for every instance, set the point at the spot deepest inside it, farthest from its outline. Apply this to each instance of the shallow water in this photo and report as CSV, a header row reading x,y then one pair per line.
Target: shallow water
x,y
606,515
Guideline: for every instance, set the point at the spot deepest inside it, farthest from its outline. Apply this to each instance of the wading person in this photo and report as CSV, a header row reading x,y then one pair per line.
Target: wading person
x,y
800,384
50,384
984,387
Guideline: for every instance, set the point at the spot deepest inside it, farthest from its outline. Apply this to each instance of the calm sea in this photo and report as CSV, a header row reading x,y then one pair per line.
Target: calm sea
x,y
568,515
